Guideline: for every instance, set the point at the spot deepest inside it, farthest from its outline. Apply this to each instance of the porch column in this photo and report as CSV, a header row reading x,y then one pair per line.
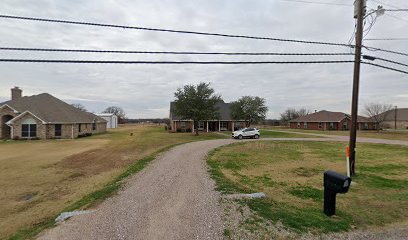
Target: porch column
x,y
207,126
192,129
232,126
219,126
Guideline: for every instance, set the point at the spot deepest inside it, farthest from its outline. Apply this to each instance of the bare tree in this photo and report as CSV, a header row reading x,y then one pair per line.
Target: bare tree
x,y
79,106
118,111
377,112
293,113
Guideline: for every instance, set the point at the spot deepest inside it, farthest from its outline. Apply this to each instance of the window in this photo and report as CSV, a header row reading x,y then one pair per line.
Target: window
x,y
237,125
29,130
200,125
305,125
365,126
94,126
320,124
345,125
224,125
57,130
331,126
298,125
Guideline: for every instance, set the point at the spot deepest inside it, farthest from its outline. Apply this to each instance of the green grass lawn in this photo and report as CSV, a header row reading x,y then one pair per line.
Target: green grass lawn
x,y
272,134
391,135
291,174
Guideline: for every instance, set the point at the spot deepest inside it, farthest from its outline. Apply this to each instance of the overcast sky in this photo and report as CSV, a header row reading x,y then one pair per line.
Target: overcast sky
x,y
145,90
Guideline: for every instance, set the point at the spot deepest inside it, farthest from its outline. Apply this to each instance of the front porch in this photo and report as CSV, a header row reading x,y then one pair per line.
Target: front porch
x,y
206,126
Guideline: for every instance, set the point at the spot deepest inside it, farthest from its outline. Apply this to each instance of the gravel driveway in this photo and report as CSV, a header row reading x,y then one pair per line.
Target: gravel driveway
x,y
172,198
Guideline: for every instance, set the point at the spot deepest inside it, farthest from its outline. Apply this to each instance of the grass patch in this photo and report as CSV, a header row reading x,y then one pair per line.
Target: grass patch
x,y
307,192
391,135
273,134
291,174
299,219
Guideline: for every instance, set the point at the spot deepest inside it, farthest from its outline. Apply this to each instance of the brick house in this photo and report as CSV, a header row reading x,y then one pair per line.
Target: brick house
x,y
325,120
44,116
224,123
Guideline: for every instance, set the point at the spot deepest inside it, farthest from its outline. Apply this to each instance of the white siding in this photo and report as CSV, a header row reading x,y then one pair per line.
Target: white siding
x,y
111,118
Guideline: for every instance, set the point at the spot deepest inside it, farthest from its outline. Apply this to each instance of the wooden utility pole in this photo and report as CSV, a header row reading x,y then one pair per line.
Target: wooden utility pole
x,y
359,10
395,118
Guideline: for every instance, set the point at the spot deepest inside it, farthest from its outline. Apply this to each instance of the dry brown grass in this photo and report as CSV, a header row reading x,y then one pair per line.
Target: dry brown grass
x,y
38,179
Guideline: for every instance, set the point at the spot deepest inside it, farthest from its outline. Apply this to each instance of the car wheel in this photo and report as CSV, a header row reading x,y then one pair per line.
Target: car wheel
x,y
240,137
256,136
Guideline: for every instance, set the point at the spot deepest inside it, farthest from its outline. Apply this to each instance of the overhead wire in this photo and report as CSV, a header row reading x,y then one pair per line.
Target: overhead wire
x,y
169,52
315,2
385,67
169,30
166,62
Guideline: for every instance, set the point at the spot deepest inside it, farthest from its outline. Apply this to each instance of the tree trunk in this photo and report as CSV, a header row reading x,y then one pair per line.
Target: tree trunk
x,y
196,127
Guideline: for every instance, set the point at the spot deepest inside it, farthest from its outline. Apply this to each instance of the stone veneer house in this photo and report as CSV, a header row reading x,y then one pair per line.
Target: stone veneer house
x,y
326,120
44,116
396,118
224,123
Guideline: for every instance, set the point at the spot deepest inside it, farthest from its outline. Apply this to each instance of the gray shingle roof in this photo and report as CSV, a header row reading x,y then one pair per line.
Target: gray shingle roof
x,y
51,109
402,115
223,109
327,116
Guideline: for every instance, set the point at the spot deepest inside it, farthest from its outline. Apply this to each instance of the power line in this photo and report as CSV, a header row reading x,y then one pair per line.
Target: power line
x,y
15,60
170,30
385,4
386,39
385,50
191,32
397,10
385,67
322,3
169,52
372,58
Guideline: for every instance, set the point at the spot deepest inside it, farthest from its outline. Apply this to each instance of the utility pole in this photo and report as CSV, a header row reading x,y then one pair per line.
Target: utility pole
x,y
395,118
359,12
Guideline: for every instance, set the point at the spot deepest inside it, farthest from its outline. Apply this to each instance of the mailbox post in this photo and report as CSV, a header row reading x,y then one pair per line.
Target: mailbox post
x,y
334,183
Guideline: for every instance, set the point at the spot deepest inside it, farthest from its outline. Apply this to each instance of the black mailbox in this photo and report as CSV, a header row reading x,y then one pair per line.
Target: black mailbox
x,y
334,183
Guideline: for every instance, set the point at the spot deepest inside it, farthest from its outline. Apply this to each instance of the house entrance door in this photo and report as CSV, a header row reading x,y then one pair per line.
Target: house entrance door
x,y
212,126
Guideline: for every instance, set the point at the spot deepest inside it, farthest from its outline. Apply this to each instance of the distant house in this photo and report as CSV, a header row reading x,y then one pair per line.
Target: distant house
x,y
43,116
224,123
112,119
325,120
396,117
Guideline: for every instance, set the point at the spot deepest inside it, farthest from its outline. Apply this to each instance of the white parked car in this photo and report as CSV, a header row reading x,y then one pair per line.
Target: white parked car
x,y
246,133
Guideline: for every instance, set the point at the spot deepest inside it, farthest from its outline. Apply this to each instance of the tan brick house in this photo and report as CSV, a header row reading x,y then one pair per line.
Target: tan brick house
x,y
44,116
326,120
224,123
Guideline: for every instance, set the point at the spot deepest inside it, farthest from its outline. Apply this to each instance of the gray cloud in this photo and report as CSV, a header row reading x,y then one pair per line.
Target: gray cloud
x,y
145,91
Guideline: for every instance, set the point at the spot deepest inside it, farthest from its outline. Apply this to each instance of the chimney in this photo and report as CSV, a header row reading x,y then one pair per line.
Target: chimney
x,y
16,93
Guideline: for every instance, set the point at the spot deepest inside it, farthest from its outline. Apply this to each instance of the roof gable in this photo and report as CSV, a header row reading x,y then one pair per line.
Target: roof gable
x,y
51,109
224,110
327,116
